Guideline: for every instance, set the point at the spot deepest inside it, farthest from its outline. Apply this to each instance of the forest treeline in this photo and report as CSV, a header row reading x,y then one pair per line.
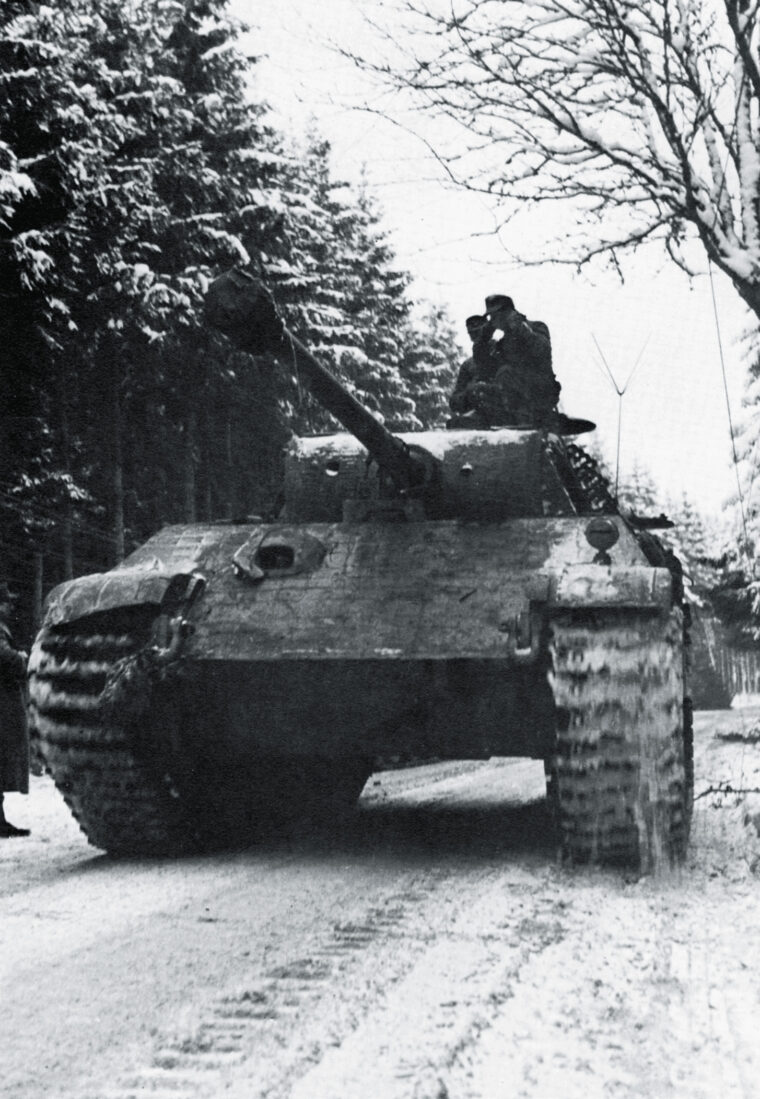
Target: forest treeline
x,y
134,166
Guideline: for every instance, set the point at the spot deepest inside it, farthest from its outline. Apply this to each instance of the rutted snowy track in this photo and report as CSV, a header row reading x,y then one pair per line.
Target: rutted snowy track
x,y
430,947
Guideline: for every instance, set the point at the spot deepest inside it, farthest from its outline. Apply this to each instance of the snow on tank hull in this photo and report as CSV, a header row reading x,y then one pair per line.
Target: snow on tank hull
x,y
224,673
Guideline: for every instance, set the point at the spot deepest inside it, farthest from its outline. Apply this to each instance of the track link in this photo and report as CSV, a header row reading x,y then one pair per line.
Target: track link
x,y
583,479
621,775
106,764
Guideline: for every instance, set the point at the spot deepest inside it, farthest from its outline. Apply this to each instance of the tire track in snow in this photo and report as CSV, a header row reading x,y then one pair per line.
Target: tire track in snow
x,y
265,1018
444,1003
425,942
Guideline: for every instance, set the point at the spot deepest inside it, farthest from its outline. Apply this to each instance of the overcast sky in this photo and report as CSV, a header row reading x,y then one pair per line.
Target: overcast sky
x,y
674,416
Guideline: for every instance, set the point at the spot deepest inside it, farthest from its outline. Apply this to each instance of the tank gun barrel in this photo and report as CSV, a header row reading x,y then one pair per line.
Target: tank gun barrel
x,y
243,309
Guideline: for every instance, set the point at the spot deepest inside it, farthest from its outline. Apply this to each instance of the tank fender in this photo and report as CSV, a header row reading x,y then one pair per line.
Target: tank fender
x,y
169,590
592,585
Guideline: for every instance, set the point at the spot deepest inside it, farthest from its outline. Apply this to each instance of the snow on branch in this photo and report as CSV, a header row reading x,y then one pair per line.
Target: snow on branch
x,y
643,117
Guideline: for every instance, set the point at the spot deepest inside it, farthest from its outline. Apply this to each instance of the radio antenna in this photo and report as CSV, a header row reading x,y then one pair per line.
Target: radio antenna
x,y
621,392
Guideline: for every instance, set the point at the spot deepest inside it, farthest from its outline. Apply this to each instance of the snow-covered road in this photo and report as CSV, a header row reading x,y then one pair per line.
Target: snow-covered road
x,y
430,947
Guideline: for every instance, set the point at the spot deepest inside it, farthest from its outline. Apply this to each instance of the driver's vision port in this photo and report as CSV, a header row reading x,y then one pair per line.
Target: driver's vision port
x,y
275,557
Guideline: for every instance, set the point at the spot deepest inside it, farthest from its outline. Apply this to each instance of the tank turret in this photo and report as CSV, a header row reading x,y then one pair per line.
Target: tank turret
x,y
483,473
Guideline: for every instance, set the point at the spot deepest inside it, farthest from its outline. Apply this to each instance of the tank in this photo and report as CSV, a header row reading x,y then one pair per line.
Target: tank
x,y
449,594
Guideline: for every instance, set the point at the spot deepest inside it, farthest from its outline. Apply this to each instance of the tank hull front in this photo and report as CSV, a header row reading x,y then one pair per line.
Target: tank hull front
x,y
387,639
373,591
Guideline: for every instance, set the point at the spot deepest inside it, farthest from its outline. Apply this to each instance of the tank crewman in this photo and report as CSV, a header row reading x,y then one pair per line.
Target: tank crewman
x,y
475,371
14,733
509,378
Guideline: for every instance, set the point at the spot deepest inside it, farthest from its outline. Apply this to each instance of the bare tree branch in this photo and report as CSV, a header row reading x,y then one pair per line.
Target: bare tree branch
x,y
642,116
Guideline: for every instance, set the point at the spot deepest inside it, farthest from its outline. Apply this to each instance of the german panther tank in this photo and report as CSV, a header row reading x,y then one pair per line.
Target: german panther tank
x,y
457,594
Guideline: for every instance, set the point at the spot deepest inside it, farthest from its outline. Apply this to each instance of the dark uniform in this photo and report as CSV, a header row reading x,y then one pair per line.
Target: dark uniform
x,y
509,379
14,735
478,368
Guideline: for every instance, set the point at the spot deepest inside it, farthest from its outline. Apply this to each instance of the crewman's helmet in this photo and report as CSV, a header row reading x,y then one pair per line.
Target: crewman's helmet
x,y
476,324
495,303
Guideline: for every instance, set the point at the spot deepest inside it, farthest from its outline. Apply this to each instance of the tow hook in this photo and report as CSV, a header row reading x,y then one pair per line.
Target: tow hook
x,y
173,632
523,637
172,627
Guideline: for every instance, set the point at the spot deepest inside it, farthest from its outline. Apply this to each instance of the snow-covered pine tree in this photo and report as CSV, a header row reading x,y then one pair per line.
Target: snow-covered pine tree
x,y
216,175
701,539
741,580
736,591
308,269
176,196
53,126
335,273
695,540
639,493
432,355
132,165
380,312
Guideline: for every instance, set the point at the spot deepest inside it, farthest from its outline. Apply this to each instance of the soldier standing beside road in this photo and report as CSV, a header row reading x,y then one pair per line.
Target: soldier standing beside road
x,y
14,734
509,380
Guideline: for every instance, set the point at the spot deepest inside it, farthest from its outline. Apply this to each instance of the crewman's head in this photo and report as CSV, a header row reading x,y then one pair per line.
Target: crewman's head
x,y
476,326
498,308
499,304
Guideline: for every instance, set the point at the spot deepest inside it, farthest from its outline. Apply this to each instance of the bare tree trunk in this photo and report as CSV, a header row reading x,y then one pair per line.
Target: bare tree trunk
x,y
208,495
209,465
231,486
67,537
160,510
117,483
189,471
37,586
67,523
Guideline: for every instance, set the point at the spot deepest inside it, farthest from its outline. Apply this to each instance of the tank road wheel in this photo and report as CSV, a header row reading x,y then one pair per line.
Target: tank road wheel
x,y
621,776
106,764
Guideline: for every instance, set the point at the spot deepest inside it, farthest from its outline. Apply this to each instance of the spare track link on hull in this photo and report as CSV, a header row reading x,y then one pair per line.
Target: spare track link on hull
x,y
620,779
110,778
595,493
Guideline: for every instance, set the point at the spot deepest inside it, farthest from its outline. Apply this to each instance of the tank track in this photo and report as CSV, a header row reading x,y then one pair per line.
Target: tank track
x,y
621,778
106,766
